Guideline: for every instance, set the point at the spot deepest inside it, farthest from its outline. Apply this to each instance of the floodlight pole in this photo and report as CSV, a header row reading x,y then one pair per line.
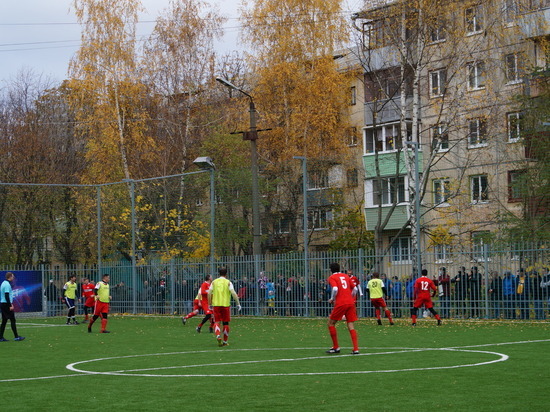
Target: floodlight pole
x,y
252,135
206,164
305,225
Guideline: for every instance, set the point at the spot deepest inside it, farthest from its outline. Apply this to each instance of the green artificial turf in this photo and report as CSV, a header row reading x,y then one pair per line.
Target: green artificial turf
x,y
156,363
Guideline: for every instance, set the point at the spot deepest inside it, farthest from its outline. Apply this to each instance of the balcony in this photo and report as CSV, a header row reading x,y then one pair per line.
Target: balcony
x,y
386,111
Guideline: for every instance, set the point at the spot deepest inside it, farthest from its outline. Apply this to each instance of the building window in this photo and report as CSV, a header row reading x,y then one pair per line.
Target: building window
x,y
510,10
352,136
440,137
515,126
479,240
320,219
442,253
438,32
476,75
442,191
401,250
511,62
387,191
515,186
479,189
438,78
283,225
318,179
353,96
473,19
477,133
383,139
353,178
198,202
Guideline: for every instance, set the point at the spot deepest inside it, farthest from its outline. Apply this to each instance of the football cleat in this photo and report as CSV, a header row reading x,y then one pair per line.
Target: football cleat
x,y
225,343
19,338
184,321
414,324
198,329
392,323
3,340
89,330
105,331
379,322
220,342
439,322
355,352
211,330
75,322
333,350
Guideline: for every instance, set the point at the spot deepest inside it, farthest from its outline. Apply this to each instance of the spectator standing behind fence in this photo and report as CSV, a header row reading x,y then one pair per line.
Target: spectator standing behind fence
x,y
474,291
397,296
461,290
537,292
522,291
444,292
545,285
52,298
161,295
280,293
147,297
509,284
270,296
495,293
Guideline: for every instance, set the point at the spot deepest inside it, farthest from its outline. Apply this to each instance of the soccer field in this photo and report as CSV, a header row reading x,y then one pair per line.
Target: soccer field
x,y
156,363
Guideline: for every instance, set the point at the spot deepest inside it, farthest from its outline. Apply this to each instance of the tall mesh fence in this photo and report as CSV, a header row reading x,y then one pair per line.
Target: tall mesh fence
x,y
507,284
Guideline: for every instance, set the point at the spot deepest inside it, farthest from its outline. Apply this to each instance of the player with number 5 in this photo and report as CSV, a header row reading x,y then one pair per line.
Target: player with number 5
x,y
342,295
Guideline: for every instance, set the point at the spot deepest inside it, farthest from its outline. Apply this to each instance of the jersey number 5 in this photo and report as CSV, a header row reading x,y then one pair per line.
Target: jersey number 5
x,y
343,282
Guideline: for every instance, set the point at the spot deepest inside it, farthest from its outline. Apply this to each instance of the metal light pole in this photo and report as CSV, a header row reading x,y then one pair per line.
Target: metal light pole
x,y
305,224
251,135
417,206
206,163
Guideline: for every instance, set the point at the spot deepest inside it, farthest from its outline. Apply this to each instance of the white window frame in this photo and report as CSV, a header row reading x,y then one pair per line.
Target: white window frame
x,y
511,67
479,194
352,139
442,253
477,245
441,134
438,34
283,225
473,20
515,126
476,75
441,190
480,133
381,134
401,250
198,202
509,11
385,197
353,96
438,80
318,180
319,219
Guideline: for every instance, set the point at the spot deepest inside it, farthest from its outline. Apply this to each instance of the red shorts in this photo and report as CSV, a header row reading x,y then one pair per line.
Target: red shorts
x,y
222,313
196,304
101,307
423,300
338,312
90,302
206,307
378,303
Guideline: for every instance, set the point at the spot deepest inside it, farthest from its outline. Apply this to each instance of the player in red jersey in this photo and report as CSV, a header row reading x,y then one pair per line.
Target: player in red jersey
x,y
422,287
355,283
201,302
88,296
343,296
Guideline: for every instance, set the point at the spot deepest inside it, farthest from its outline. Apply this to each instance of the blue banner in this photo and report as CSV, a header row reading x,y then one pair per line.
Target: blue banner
x,y
27,290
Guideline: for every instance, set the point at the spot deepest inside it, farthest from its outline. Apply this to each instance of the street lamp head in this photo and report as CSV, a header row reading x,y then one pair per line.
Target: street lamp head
x,y
232,86
299,157
205,163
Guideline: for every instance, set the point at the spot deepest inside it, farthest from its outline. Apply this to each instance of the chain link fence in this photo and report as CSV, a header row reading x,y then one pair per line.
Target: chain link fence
x,y
498,284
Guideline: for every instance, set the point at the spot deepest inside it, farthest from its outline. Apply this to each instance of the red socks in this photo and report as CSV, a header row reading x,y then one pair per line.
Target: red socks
x,y
353,334
334,336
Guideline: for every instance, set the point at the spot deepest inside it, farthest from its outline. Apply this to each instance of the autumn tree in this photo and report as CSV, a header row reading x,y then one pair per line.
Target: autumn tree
x,y
298,88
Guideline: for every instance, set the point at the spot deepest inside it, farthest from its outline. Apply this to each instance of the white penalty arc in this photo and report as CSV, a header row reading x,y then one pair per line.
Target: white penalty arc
x,y
76,366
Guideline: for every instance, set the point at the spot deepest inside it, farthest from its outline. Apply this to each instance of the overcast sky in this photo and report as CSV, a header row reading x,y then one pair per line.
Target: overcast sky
x,y
42,35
